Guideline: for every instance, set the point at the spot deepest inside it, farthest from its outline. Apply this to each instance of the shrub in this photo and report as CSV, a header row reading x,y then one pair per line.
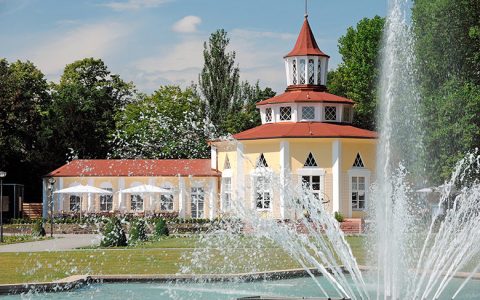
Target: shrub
x,y
138,231
338,216
113,234
37,229
161,228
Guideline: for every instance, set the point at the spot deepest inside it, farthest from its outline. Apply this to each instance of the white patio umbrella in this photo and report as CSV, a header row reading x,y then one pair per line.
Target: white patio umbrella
x,y
83,189
143,189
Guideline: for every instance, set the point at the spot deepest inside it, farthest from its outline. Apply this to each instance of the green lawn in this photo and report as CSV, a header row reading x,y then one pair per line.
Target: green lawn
x,y
158,257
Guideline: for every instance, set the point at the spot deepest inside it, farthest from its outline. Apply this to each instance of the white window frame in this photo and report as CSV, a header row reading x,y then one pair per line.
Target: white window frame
x,y
195,196
325,113
358,172
170,201
280,113
313,171
265,173
107,198
314,112
226,204
272,115
79,204
140,196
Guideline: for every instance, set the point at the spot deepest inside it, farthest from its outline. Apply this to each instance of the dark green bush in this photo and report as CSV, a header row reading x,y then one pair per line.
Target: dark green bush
x,y
138,231
113,234
338,216
161,228
37,229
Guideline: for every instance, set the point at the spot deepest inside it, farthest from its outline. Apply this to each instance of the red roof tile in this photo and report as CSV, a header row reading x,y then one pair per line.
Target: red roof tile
x,y
135,167
295,96
305,130
306,44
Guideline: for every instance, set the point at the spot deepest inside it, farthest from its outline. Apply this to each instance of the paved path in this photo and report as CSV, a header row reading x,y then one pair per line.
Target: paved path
x,y
60,242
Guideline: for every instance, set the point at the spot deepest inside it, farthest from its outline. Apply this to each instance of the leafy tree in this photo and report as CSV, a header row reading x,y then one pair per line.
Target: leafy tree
x,y
85,102
447,36
244,113
138,231
24,97
357,75
161,228
168,124
219,79
114,235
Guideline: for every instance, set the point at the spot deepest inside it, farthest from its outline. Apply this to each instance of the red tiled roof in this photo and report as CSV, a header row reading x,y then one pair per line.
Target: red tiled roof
x,y
305,130
135,167
300,95
306,44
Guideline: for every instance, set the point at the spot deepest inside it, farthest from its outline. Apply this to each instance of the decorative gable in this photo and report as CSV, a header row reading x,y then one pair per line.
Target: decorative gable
x,y
310,162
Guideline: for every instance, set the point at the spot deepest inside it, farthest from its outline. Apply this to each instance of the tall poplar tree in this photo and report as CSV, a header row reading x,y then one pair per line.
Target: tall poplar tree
x,y
219,79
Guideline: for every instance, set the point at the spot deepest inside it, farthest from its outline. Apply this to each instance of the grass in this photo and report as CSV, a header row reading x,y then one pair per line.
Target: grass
x,y
164,256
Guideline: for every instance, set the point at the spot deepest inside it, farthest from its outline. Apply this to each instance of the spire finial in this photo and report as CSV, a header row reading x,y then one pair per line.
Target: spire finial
x,y
306,8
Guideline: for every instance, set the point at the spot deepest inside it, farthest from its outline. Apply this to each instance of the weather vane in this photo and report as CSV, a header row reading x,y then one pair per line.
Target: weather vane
x,y
306,8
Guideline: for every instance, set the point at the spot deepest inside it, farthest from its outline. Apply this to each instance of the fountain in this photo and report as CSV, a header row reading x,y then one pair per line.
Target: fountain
x,y
413,256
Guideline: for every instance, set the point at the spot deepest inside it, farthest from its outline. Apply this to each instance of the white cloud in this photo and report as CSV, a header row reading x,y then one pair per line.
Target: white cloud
x,y
251,34
187,24
134,4
93,40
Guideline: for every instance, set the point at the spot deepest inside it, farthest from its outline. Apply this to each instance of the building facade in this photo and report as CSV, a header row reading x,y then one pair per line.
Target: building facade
x,y
306,140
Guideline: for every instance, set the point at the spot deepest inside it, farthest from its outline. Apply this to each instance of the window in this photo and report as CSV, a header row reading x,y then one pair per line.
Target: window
x,y
263,194
106,201
358,163
312,184
311,72
285,113
226,193
268,114
166,202
310,162
330,113
319,72
347,114
261,162
302,71
136,202
226,165
308,113
75,203
198,201
358,193
294,71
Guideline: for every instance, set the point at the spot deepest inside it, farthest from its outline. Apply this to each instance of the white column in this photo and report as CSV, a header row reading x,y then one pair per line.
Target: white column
x,y
121,186
44,198
336,170
59,196
90,204
240,178
284,169
151,195
213,198
181,197
213,158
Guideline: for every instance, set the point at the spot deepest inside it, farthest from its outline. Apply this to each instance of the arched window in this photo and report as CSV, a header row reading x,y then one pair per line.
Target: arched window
x,y
358,163
261,162
301,66
310,162
294,71
311,71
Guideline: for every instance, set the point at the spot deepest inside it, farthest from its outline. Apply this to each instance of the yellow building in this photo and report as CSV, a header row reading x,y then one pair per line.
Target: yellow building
x,y
306,140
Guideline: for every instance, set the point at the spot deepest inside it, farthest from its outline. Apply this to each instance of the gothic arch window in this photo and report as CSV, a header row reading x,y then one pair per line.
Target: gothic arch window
x,y
358,163
310,162
226,165
261,162
294,71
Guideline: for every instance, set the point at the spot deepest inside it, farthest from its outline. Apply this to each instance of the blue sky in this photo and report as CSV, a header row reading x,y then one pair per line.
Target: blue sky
x,y
157,42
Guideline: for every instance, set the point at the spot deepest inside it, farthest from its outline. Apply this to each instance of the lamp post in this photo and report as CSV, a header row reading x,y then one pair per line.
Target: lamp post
x,y
51,182
2,174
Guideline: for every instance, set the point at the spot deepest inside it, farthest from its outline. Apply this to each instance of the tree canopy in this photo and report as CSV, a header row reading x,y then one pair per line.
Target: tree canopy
x,y
356,77
170,123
